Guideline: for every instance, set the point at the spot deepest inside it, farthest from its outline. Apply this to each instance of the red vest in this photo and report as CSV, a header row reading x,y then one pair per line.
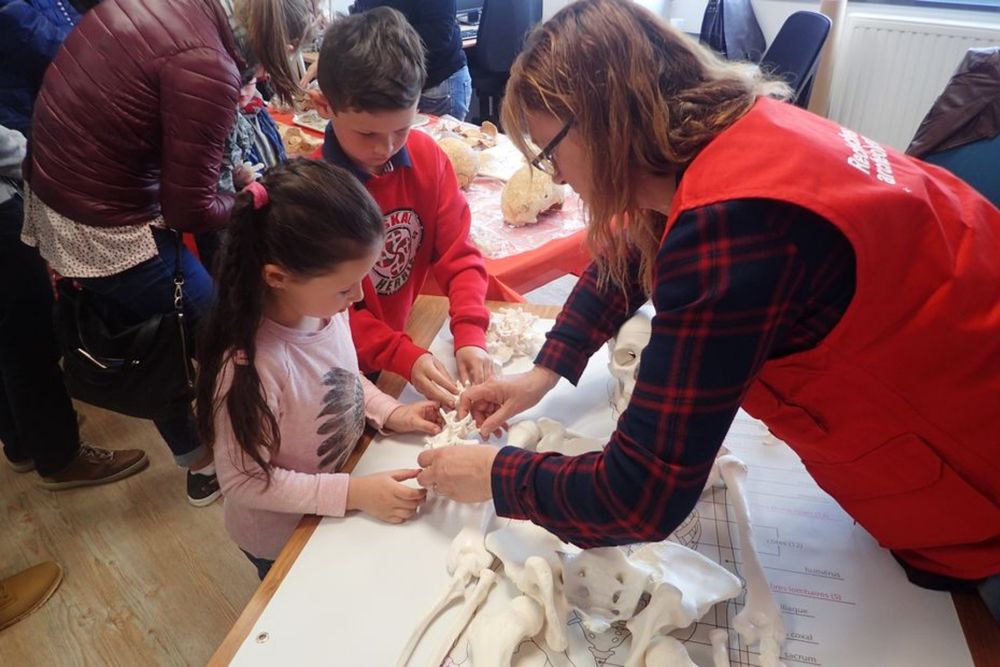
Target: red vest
x,y
896,414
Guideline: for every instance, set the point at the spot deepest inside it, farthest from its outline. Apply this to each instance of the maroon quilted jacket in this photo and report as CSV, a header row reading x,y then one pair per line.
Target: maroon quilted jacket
x,y
133,115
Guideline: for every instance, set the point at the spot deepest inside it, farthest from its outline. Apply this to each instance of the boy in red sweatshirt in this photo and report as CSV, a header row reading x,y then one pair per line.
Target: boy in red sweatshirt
x,y
370,72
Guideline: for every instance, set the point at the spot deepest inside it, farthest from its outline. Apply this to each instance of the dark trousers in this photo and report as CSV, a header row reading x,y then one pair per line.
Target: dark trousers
x,y
37,420
146,290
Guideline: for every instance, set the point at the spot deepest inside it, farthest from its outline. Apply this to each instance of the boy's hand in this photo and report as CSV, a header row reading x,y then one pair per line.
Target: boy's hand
x,y
419,417
432,380
474,364
383,496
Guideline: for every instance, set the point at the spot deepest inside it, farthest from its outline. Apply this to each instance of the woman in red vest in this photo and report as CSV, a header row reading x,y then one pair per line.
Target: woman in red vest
x,y
843,293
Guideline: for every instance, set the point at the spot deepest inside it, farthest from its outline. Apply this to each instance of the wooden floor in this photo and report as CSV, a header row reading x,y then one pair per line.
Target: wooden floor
x,y
149,579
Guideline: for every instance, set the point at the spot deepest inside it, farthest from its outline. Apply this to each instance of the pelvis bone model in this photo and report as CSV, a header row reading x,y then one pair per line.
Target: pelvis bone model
x,y
655,590
624,351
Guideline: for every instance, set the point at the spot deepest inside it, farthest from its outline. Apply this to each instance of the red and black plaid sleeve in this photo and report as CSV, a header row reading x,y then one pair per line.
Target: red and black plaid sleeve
x,y
735,284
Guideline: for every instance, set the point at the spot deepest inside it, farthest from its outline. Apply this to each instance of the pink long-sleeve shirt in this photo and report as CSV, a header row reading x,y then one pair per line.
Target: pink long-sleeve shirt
x,y
312,385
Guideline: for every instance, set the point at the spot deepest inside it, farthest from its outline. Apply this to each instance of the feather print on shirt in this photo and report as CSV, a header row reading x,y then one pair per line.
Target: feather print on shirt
x,y
344,409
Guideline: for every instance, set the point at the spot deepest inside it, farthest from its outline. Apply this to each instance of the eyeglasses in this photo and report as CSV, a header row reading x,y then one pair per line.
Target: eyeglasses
x,y
544,161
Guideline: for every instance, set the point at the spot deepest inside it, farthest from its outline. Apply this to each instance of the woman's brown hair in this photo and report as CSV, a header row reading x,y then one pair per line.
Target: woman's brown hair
x,y
272,26
644,99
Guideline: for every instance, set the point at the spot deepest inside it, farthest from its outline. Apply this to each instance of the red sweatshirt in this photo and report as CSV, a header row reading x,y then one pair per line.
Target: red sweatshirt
x,y
426,229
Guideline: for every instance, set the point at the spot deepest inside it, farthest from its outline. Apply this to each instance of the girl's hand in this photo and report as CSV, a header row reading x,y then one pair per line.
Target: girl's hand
x,y
496,401
474,364
383,496
431,378
419,417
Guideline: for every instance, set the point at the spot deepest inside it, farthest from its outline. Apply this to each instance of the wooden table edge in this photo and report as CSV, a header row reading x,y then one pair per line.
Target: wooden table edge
x,y
426,318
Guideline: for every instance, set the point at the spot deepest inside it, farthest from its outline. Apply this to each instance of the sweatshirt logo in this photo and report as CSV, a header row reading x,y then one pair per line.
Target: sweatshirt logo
x,y
403,234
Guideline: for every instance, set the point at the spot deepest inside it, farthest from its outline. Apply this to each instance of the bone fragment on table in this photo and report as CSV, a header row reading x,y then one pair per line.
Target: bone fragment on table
x,y
760,621
528,194
467,556
493,638
512,334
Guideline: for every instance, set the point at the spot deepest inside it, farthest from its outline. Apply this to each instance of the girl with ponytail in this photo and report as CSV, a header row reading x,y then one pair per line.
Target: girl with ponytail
x,y
280,399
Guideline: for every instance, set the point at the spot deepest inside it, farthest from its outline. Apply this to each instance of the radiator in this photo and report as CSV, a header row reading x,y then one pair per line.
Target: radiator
x,y
889,71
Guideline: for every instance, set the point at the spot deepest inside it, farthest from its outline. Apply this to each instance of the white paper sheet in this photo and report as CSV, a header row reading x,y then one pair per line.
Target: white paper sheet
x,y
359,586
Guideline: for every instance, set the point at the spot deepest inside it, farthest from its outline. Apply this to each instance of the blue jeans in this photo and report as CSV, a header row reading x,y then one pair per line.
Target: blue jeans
x,y
148,289
263,565
451,96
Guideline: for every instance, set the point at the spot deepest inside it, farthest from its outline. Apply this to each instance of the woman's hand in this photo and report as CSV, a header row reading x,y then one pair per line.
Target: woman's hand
x,y
384,497
461,472
496,401
419,417
431,378
474,364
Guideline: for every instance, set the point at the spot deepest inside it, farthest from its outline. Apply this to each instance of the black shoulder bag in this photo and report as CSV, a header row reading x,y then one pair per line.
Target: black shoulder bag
x,y
140,369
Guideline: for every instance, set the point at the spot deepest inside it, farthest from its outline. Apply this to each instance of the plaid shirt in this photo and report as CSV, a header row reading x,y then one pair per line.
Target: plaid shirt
x,y
735,284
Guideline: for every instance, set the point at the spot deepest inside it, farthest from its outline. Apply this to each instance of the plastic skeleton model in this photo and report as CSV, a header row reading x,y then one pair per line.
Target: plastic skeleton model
x,y
511,334
548,435
686,586
720,647
624,351
657,589
455,431
529,556
760,619
468,559
677,585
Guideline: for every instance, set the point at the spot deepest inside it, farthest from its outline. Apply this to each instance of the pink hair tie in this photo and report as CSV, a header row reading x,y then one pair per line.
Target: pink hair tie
x,y
259,194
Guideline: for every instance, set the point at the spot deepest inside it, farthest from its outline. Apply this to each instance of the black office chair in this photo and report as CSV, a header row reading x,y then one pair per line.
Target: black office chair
x,y
503,25
794,53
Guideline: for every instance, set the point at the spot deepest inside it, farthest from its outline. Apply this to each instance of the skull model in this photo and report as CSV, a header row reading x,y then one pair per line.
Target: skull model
x,y
624,351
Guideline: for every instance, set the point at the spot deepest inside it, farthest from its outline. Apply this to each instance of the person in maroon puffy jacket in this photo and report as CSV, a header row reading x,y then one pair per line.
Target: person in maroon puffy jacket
x,y
128,136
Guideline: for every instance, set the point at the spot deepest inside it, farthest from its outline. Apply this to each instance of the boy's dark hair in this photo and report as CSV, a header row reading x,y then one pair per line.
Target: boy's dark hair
x,y
318,216
372,61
